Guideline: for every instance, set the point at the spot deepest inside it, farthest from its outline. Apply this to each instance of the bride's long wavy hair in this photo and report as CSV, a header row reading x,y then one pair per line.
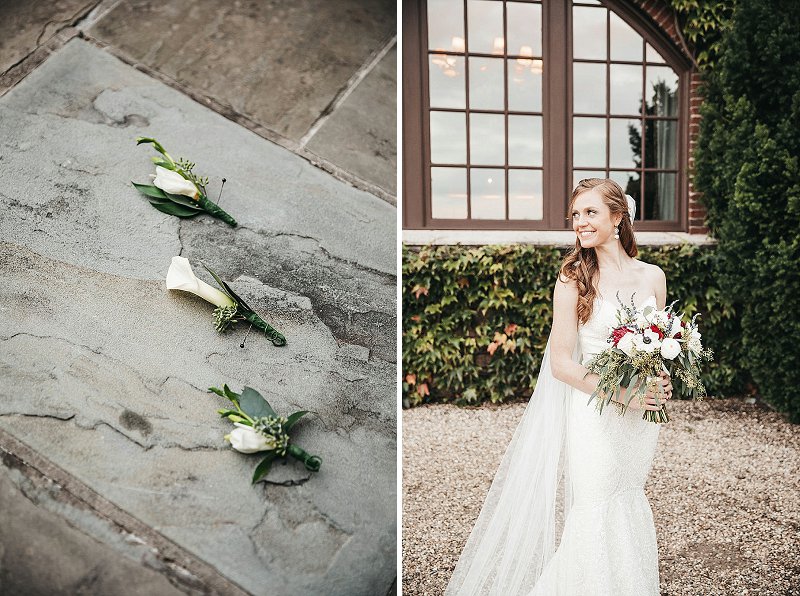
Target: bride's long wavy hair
x,y
580,264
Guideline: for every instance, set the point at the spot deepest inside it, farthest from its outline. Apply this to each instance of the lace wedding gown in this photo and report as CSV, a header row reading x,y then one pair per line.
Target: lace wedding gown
x,y
601,461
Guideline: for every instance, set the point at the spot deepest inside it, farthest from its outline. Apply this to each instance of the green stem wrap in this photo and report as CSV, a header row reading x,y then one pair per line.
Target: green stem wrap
x,y
311,462
275,336
215,210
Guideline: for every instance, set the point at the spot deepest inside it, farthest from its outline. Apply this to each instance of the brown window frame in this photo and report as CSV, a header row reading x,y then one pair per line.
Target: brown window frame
x,y
556,125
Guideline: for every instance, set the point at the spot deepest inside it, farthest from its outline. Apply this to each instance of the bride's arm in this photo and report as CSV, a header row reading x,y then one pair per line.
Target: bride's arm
x,y
660,284
563,338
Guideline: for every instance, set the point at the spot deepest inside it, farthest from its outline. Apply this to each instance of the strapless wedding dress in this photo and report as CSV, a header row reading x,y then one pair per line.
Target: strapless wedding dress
x,y
599,464
608,547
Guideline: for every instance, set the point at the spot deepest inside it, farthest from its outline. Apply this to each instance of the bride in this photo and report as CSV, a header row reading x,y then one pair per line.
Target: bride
x,y
569,471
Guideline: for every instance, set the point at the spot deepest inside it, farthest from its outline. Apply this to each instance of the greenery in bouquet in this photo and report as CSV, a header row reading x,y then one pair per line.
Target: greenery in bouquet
x,y
644,343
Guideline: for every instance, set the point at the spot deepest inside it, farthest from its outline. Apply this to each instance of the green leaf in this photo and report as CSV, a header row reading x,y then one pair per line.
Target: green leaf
x,y
217,390
163,163
263,468
222,285
150,190
227,289
185,201
231,395
156,145
173,209
254,405
293,419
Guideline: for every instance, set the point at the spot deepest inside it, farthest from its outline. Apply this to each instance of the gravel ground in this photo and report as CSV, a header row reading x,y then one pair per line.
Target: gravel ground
x,y
725,493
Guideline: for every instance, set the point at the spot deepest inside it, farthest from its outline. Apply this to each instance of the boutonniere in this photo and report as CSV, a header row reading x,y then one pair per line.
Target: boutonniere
x,y
230,307
176,189
259,428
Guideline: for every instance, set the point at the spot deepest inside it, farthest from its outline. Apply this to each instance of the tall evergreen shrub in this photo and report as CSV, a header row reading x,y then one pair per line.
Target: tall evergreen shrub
x,y
747,166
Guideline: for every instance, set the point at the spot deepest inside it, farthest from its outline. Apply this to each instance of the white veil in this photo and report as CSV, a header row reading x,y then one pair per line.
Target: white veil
x,y
515,535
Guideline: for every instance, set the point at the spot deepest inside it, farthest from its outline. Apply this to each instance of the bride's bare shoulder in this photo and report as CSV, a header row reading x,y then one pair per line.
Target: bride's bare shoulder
x,y
651,271
655,279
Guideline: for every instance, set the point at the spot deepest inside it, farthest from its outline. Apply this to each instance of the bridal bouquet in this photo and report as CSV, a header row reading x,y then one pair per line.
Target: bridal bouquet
x,y
259,428
643,343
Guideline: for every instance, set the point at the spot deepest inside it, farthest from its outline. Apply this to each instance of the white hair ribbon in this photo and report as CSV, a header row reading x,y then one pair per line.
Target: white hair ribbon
x,y
631,207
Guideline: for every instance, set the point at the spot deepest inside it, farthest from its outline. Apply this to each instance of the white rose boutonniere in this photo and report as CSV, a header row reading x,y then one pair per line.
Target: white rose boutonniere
x,y
176,189
259,428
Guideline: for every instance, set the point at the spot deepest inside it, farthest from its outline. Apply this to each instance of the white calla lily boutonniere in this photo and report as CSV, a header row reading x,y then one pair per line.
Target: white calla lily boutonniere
x,y
177,190
230,307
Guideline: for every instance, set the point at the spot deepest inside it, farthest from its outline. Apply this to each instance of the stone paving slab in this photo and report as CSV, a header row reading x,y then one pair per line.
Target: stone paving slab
x,y
105,370
279,63
25,25
68,560
361,135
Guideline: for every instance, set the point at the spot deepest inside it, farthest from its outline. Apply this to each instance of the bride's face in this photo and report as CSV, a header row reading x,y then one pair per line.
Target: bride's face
x,y
592,220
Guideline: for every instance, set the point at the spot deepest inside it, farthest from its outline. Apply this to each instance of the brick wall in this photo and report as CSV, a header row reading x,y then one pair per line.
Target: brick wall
x,y
663,17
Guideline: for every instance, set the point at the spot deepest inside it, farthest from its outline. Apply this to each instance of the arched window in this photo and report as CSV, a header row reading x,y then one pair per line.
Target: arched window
x,y
507,104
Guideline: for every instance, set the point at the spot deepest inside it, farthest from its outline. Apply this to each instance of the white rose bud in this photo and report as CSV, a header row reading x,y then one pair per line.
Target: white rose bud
x,y
174,183
181,277
670,348
244,439
626,344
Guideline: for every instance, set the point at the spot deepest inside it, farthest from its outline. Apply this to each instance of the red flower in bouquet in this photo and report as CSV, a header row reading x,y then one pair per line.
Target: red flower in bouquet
x,y
619,333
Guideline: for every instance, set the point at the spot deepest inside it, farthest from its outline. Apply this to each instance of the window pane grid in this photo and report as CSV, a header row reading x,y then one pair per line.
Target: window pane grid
x,y
638,150
494,55
492,140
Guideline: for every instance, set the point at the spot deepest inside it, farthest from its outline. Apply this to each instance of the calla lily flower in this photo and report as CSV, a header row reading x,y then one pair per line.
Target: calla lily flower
x,y
174,183
246,440
181,277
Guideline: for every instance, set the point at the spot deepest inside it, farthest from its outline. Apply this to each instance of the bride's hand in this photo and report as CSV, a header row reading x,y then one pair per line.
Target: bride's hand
x,y
653,400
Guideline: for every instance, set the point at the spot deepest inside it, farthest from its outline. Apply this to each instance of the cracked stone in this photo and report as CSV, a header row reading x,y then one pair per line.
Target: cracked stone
x,y
106,371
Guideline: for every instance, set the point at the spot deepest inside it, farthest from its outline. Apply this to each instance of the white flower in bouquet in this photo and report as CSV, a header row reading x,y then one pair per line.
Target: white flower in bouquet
x,y
660,318
181,277
676,327
174,183
670,348
647,342
246,440
626,344
694,343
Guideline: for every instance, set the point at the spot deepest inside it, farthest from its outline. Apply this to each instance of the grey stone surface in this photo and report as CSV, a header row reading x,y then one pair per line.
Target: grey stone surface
x,y
361,135
25,25
105,371
279,63
45,550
